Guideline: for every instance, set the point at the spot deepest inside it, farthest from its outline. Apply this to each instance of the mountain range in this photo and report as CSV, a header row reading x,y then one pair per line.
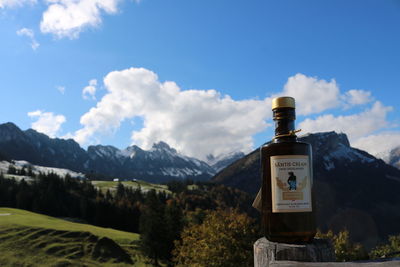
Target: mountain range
x,y
353,189
160,163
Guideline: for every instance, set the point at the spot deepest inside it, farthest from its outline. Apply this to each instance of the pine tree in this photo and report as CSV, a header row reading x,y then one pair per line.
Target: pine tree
x,y
11,169
152,228
174,224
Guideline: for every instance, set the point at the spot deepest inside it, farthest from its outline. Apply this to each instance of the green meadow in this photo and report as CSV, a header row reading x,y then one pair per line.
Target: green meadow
x,y
144,186
31,239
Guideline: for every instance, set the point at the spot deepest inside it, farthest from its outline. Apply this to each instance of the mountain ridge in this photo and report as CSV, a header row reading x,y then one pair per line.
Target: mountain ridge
x,y
160,163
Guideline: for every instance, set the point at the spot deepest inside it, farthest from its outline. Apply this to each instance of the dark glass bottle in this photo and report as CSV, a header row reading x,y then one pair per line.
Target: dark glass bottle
x,y
287,188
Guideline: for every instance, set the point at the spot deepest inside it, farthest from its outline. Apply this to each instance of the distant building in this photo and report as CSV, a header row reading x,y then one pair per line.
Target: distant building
x,y
115,180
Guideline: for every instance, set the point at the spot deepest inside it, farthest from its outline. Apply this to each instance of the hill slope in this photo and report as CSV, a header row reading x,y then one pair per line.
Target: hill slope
x,y
29,238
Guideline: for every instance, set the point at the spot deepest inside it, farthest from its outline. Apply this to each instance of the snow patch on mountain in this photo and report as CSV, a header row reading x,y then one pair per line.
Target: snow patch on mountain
x,y
344,152
221,161
175,172
19,164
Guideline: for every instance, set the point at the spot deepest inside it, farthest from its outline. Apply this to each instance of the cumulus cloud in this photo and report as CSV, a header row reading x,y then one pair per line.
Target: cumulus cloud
x,y
357,97
30,34
47,122
312,95
15,3
68,18
315,95
196,122
202,122
89,92
355,126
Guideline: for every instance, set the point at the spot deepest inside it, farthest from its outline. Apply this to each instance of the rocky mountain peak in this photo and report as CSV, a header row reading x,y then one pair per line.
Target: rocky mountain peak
x,y
331,147
330,140
131,151
162,146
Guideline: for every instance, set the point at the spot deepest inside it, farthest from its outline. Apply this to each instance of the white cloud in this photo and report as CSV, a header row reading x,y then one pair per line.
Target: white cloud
x,y
47,122
30,34
68,18
357,97
196,122
61,89
201,122
355,126
315,95
15,3
90,90
364,129
312,95
379,144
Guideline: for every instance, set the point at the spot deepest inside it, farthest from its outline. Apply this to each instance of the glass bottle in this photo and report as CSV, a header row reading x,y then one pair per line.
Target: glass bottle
x,y
287,182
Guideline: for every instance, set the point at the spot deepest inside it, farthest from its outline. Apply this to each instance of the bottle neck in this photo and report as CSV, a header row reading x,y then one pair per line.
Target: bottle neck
x,y
284,124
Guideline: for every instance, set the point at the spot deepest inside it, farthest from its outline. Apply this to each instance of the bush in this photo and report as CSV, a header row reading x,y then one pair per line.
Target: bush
x,y
345,250
391,249
225,238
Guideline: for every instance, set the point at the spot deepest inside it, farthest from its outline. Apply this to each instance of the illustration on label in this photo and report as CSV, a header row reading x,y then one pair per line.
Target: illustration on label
x,y
290,182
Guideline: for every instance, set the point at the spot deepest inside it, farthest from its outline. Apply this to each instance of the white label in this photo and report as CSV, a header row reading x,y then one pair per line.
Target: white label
x,y
291,183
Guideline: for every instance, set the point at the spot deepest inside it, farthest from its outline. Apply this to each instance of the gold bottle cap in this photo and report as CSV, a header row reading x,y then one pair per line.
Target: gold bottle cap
x,y
283,102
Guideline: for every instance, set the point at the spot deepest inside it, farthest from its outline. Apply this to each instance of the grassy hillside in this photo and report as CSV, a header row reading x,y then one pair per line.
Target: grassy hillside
x,y
144,186
30,239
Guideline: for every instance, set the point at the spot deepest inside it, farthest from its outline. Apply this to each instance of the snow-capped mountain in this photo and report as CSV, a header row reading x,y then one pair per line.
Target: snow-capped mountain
x,y
220,162
353,189
158,164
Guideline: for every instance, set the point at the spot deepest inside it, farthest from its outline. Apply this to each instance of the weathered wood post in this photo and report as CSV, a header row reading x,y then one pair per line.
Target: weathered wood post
x,y
267,253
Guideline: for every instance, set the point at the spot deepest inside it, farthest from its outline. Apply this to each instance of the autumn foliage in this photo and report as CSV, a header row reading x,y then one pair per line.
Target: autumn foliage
x,y
224,238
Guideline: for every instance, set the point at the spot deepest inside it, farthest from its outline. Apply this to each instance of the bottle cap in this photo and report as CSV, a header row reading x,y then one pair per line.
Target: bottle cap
x,y
283,102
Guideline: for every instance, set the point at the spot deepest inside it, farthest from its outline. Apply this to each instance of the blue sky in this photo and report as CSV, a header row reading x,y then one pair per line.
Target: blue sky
x,y
200,74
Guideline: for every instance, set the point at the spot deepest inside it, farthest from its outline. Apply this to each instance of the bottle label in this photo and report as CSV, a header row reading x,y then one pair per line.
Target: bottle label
x,y
291,183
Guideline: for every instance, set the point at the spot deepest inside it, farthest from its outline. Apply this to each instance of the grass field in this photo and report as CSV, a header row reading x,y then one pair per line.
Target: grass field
x,y
31,239
144,186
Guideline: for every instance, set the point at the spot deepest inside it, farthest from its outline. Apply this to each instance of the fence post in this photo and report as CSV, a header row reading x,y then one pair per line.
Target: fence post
x,y
267,253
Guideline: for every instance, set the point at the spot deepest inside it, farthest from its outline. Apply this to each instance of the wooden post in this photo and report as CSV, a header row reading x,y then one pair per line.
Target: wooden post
x,y
267,253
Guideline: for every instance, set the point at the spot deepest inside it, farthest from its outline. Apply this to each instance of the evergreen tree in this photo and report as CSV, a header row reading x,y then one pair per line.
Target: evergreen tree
x,y
120,191
11,169
30,171
173,224
22,171
152,228
23,197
